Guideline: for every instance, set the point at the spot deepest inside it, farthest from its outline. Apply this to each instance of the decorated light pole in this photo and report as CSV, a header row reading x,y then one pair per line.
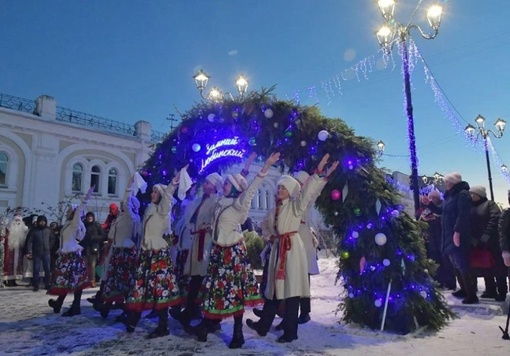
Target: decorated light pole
x,y
474,133
387,35
216,95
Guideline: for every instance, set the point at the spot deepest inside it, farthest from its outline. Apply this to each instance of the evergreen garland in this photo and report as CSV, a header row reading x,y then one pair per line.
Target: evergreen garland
x,y
358,202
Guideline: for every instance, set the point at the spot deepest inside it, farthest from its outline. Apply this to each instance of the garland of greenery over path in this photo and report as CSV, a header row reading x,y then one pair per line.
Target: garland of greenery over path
x,y
380,246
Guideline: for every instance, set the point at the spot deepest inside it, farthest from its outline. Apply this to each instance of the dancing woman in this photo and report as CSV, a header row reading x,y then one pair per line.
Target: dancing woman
x,y
155,285
230,284
71,273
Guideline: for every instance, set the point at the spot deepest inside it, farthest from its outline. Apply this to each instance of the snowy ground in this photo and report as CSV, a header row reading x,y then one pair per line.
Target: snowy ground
x,y
29,327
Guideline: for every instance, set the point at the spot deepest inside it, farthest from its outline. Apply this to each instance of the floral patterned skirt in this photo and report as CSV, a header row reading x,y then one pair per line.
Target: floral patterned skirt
x,y
70,274
120,274
230,284
155,284
182,280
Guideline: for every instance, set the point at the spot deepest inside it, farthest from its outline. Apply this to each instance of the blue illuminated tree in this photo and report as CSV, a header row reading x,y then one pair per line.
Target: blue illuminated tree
x,y
382,260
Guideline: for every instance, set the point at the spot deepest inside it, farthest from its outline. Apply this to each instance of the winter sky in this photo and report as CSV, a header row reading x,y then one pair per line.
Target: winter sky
x,y
134,60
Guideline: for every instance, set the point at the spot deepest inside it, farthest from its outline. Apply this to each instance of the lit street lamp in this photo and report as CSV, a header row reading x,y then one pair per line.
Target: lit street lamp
x,y
201,79
482,131
387,35
380,148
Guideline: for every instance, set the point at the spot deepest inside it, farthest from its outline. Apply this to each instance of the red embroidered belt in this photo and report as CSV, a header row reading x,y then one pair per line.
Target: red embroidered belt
x,y
284,246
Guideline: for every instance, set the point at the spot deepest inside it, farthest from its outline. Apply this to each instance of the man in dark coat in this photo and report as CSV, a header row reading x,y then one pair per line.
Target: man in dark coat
x,y
504,235
92,242
38,245
456,241
484,229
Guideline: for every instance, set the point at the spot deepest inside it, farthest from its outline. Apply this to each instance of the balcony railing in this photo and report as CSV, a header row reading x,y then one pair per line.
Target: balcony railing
x,y
76,117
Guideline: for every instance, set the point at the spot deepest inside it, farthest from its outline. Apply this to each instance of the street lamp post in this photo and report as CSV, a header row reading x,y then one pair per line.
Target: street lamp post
x,y
201,80
387,35
484,133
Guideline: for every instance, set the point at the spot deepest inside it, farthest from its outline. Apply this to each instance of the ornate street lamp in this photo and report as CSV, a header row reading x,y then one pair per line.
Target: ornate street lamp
x,y
380,148
387,35
475,132
201,80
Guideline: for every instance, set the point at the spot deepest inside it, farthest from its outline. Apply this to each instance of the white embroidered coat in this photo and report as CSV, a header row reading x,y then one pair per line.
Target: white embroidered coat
x,y
296,282
155,221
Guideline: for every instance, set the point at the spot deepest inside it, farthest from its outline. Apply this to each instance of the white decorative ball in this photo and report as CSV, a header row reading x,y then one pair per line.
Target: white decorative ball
x,y
323,135
211,117
355,234
275,125
380,239
423,294
395,213
196,147
426,270
268,113
303,143
351,295
386,262
378,303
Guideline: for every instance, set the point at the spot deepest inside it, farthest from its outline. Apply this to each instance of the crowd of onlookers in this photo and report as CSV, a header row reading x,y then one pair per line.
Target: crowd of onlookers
x,y
468,237
28,247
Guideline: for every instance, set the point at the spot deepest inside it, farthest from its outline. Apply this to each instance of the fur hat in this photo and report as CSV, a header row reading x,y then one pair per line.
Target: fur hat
x,y
238,182
290,184
478,190
453,178
302,177
216,180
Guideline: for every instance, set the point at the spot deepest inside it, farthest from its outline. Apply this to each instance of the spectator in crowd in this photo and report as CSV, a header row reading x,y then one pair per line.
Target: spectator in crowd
x,y
504,235
92,242
445,275
456,240
38,251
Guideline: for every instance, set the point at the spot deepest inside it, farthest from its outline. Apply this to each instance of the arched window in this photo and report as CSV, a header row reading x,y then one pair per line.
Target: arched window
x,y
268,200
4,164
112,181
77,177
95,176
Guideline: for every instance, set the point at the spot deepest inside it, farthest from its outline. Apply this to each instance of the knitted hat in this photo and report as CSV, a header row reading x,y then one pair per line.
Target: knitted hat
x,y
434,194
453,178
290,184
160,188
238,182
114,208
478,190
216,180
302,177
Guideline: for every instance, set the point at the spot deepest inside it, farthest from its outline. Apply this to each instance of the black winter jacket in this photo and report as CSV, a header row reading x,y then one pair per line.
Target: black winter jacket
x,y
455,212
504,230
39,241
484,221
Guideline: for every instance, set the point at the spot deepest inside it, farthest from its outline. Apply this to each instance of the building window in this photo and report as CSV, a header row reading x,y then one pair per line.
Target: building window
x,y
4,163
112,181
268,200
77,177
95,176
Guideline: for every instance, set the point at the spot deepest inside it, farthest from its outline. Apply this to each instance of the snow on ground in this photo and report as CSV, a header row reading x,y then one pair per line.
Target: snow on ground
x,y
29,327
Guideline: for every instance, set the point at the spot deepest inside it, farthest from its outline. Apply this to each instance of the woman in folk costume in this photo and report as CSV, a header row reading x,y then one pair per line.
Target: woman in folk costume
x,y
15,241
121,263
230,284
71,273
288,267
155,284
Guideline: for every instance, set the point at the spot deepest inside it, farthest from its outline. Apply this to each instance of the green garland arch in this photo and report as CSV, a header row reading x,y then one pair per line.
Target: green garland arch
x,y
358,202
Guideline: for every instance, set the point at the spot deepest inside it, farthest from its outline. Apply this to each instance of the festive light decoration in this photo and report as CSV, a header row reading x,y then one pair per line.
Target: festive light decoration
x,y
380,239
335,194
323,135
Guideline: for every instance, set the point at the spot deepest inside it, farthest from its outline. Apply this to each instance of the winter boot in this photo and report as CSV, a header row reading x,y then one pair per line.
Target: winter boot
x,y
56,304
470,284
502,289
291,320
202,329
237,337
490,288
162,328
105,309
461,293
130,321
266,319
75,307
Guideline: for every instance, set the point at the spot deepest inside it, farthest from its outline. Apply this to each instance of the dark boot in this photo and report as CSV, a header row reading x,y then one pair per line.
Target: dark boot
x,y
105,309
257,312
131,320
461,293
305,307
490,288
202,329
502,289
75,307
279,327
237,337
162,328
290,325
56,304
470,284
268,314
